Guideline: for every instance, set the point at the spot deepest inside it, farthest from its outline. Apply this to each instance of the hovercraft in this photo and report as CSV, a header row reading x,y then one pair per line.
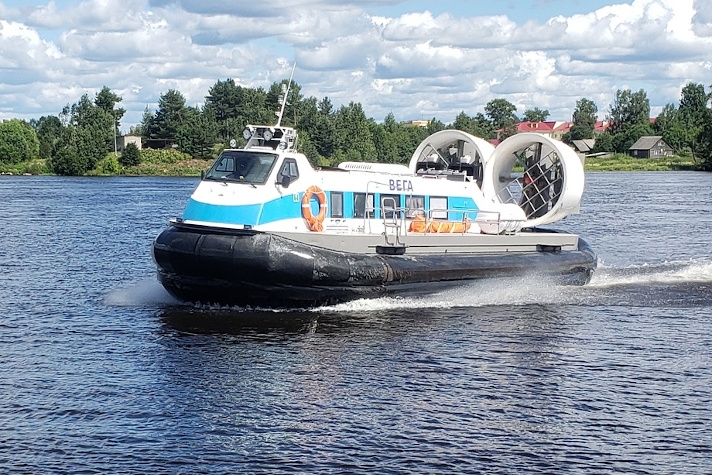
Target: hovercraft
x,y
265,228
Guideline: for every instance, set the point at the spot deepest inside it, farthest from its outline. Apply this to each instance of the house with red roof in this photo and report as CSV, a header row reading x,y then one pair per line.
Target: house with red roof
x,y
553,129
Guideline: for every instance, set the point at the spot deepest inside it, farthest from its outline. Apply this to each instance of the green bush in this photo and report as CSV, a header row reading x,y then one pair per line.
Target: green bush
x,y
109,165
68,162
32,167
36,167
685,152
164,155
217,148
18,142
130,156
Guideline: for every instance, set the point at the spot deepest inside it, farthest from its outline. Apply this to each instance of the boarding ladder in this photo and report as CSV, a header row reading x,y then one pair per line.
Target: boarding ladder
x,y
393,224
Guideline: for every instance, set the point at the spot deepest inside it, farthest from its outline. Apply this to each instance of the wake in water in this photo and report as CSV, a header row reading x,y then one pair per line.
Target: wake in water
x,y
668,283
645,284
673,285
665,273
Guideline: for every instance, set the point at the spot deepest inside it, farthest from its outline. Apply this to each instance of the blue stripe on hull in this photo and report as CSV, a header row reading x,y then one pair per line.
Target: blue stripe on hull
x,y
287,207
252,215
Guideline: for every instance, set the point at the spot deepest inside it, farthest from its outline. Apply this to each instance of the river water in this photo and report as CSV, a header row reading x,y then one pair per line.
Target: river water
x,y
102,372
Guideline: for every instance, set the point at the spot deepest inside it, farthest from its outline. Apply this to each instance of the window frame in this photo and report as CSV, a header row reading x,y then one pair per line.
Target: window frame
x,y
368,211
229,174
392,213
293,167
438,213
333,204
410,211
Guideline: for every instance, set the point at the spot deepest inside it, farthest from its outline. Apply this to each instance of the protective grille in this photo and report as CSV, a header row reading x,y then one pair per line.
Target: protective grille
x,y
538,188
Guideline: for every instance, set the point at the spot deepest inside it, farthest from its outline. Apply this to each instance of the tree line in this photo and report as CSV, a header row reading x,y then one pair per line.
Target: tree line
x,y
79,138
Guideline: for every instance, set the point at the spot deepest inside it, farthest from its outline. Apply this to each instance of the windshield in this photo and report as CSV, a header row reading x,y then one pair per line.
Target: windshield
x,y
242,166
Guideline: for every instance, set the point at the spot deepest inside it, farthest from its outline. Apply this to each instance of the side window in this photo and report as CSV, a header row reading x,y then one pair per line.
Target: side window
x,y
438,207
415,206
227,164
389,206
290,169
337,205
363,206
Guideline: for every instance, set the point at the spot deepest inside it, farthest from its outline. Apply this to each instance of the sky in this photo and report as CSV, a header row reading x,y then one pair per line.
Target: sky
x,y
415,59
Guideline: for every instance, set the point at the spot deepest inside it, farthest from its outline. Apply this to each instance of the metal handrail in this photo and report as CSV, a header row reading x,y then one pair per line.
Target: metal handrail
x,y
394,221
397,218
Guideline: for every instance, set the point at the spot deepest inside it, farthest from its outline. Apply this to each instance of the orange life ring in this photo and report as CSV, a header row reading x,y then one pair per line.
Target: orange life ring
x,y
314,223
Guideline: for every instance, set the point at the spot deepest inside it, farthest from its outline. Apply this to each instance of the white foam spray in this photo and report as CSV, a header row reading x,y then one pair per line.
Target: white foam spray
x,y
480,293
532,289
676,272
536,289
147,292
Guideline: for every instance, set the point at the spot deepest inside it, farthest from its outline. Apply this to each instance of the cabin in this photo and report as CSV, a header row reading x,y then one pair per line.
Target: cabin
x,y
159,143
583,146
650,146
123,140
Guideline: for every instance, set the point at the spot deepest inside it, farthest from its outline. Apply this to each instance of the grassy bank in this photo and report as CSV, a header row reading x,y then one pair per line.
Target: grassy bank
x,y
153,163
165,162
622,162
174,163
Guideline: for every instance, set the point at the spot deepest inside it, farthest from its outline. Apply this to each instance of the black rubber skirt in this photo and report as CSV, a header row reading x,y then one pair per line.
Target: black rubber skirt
x,y
257,269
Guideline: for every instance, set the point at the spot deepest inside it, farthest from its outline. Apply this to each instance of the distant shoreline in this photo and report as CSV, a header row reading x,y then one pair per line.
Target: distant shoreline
x,y
193,167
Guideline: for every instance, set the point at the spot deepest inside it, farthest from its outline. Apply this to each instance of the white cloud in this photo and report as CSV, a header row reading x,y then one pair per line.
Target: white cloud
x,y
24,53
415,64
447,30
271,9
422,59
702,20
89,15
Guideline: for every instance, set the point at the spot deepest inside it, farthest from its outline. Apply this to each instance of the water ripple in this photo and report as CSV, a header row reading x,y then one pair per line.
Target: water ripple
x,y
102,372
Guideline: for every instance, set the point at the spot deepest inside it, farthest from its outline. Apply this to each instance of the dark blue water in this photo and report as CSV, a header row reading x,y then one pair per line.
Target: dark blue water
x,y
101,372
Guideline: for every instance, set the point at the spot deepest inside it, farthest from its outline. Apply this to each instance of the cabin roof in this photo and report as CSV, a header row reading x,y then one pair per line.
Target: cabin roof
x,y
584,145
646,142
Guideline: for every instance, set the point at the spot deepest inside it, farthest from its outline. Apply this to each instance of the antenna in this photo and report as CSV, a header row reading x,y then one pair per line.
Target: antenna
x,y
286,95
